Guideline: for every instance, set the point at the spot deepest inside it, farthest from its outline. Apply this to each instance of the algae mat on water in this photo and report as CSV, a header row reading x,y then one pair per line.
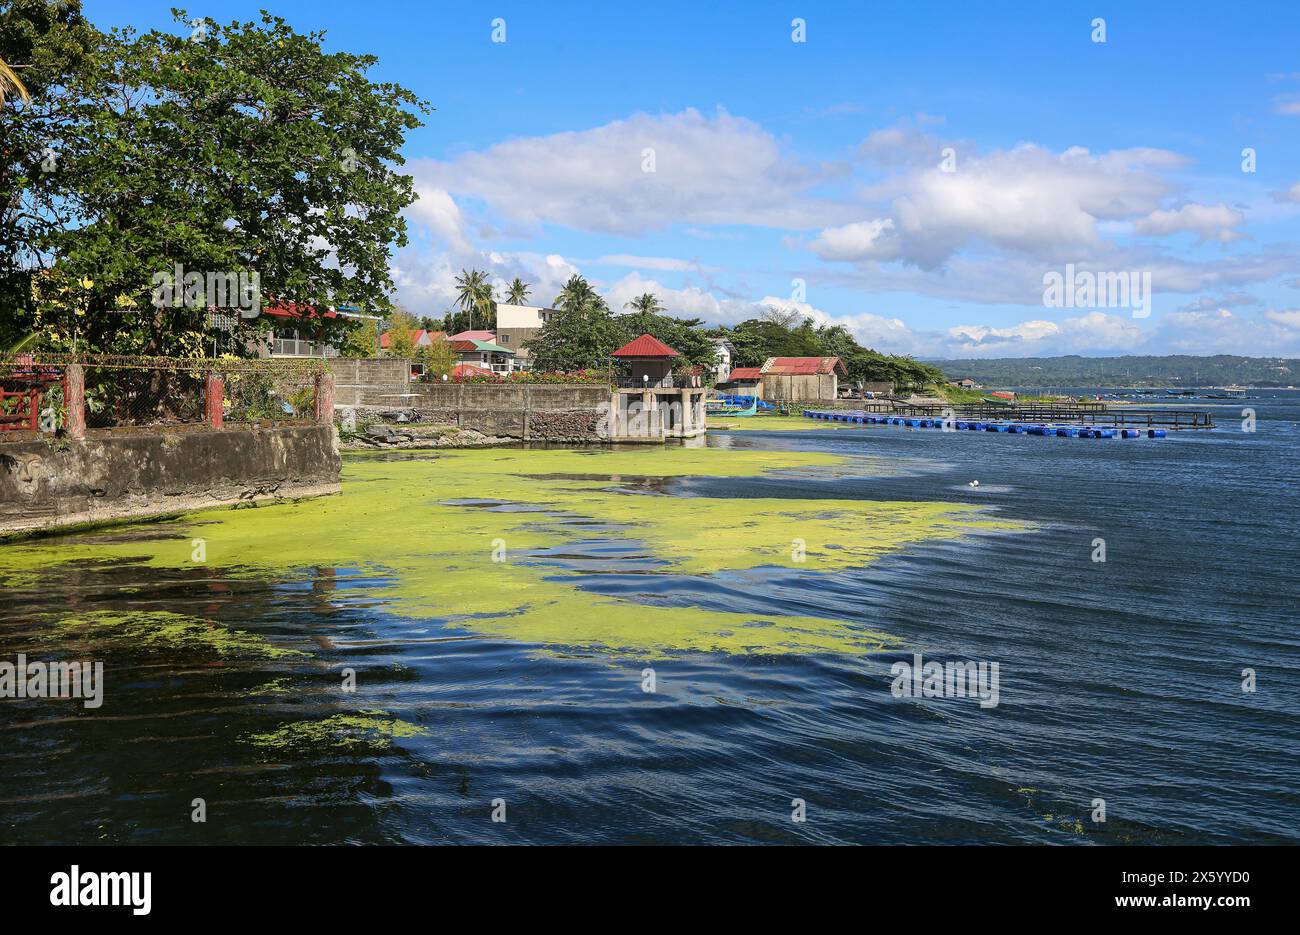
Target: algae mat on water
x,y
467,538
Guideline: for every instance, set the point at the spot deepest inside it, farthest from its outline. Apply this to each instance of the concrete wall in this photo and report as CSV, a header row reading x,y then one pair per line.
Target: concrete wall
x,y
369,376
140,473
523,411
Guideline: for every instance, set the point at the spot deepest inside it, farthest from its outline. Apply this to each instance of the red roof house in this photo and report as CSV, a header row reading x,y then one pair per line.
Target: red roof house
x,y
649,360
645,346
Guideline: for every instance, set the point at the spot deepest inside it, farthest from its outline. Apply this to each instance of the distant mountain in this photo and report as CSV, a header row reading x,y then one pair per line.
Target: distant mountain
x,y
1172,370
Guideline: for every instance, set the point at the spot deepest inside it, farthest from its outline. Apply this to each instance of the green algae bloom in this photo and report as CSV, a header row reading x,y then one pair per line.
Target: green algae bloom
x,y
475,540
154,630
343,733
761,423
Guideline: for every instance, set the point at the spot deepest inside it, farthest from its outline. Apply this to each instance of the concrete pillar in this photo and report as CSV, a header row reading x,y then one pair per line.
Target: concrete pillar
x,y
74,399
214,391
324,398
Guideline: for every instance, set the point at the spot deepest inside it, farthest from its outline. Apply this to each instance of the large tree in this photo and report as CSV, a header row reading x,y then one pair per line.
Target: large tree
x,y
44,43
229,149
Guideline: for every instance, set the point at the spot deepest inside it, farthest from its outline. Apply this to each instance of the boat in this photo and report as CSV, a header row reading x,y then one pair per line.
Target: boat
x,y
723,409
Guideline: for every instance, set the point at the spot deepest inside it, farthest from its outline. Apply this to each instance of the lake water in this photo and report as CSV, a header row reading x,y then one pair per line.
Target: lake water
x,y
1119,680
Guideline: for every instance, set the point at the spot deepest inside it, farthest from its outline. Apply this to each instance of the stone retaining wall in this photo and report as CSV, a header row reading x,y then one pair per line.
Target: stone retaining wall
x,y
150,472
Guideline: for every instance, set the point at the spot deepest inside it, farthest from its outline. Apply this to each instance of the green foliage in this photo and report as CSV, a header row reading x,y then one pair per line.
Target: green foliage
x,y
583,333
775,335
1131,370
578,337
243,147
438,358
401,335
477,304
361,340
517,292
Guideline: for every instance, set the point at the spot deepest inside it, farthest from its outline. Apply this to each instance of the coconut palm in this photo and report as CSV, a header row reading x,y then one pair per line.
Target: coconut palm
x,y
577,295
474,295
517,293
10,83
644,307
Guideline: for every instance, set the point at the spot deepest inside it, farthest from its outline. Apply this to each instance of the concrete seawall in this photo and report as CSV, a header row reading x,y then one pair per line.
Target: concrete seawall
x,y
150,472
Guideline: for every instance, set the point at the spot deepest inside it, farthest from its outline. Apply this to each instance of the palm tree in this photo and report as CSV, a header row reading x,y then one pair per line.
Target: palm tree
x,y
517,293
644,307
10,83
474,295
577,295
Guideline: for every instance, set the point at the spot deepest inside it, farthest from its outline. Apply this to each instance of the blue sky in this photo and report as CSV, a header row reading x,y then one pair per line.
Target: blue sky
x,y
813,174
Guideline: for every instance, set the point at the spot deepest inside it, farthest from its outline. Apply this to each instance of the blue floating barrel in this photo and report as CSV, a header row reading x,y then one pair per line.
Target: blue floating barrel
x,y
1066,432
1155,433
1105,433
1130,433
961,425
1015,429
975,426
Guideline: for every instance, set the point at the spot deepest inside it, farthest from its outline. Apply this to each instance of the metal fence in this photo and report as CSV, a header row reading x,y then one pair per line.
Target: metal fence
x,y
53,393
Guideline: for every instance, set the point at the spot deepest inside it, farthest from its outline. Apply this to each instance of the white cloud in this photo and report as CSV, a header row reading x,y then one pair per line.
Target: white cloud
x,y
1208,222
426,281
1291,195
664,263
1027,199
1288,105
435,209
718,170
1289,318
691,302
859,240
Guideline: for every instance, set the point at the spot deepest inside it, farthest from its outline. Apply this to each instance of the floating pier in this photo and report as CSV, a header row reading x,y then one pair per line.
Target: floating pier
x,y
1156,423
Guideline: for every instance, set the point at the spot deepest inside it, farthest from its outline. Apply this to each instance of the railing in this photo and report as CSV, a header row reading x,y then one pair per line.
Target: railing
x,y
295,347
664,383
66,395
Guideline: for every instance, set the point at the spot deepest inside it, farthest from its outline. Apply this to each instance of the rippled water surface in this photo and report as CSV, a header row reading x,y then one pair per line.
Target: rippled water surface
x,y
1119,680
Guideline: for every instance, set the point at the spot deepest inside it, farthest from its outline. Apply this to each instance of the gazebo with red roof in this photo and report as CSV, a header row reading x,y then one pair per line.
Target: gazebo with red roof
x,y
650,361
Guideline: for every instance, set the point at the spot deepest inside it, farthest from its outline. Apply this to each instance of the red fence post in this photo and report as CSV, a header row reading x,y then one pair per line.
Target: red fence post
x,y
215,391
325,398
74,399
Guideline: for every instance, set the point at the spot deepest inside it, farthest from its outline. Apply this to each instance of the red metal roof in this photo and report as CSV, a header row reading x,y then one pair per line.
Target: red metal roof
x,y
803,366
745,373
460,371
290,310
645,346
